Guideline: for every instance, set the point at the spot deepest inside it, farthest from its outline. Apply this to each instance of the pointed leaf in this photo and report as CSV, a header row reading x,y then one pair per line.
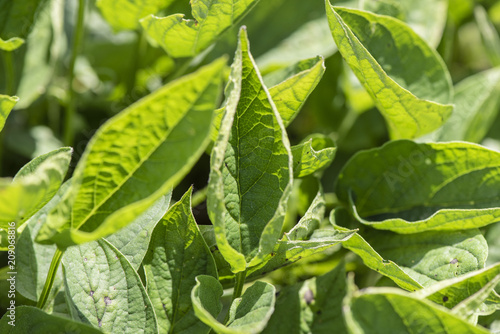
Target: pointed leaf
x,y
34,185
33,320
409,188
6,105
248,314
11,44
104,290
187,38
135,158
250,176
316,154
177,254
310,221
406,78
468,308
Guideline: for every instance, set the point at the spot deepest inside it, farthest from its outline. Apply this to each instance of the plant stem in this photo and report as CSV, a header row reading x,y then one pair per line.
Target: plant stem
x,y
9,72
136,59
51,275
238,289
199,197
77,42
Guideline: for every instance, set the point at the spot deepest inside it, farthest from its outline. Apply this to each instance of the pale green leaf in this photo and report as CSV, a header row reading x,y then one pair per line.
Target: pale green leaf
x,y
313,155
248,314
33,320
34,185
104,290
187,38
17,17
474,306
409,187
6,105
489,34
407,79
251,168
135,158
310,221
125,14
389,310
313,306
11,44
177,254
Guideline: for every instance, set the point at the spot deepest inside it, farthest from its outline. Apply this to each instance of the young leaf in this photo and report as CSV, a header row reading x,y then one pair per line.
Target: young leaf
x,y
248,314
17,17
251,168
125,14
316,306
311,219
11,44
409,187
177,254
406,78
135,158
389,310
187,38
313,155
33,186
6,105
33,320
104,290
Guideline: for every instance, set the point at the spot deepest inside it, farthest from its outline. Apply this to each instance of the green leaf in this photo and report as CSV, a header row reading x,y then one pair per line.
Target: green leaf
x,y
248,314
407,79
34,185
292,85
313,306
473,306
489,35
310,221
17,17
104,290
33,320
177,254
389,310
6,105
409,187
133,240
251,168
11,44
315,154
125,14
135,158
187,38
477,100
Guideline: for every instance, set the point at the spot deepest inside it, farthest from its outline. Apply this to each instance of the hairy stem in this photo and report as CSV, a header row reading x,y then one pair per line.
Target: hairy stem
x,y
51,275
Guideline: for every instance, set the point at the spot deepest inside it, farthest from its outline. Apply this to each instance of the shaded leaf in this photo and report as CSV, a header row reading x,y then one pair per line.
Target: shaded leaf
x,y
17,17
310,221
6,105
313,155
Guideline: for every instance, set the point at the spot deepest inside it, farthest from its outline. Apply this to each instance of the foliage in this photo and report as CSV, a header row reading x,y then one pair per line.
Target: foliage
x,y
260,167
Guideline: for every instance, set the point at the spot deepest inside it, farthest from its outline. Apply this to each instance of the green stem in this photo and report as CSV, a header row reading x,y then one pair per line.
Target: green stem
x,y
199,197
51,275
77,42
346,124
9,72
238,289
136,59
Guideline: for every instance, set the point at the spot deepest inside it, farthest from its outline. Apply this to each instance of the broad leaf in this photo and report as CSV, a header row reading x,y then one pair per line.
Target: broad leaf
x,y
251,168
313,155
6,105
406,78
135,158
17,17
388,310
248,314
177,254
409,187
104,290
313,306
125,14
11,44
34,185
33,320
187,38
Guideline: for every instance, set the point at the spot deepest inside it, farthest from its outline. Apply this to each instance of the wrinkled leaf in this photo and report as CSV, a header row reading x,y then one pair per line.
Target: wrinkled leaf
x,y
177,243
248,314
6,105
409,187
406,78
313,155
135,158
11,44
251,167
104,290
187,38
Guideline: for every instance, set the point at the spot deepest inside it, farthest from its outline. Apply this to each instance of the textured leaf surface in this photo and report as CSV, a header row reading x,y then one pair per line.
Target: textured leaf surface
x,y
34,185
6,105
313,155
248,314
104,290
187,38
409,188
17,17
11,44
125,14
136,157
33,320
310,221
176,255
250,177
406,78
387,310
313,306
